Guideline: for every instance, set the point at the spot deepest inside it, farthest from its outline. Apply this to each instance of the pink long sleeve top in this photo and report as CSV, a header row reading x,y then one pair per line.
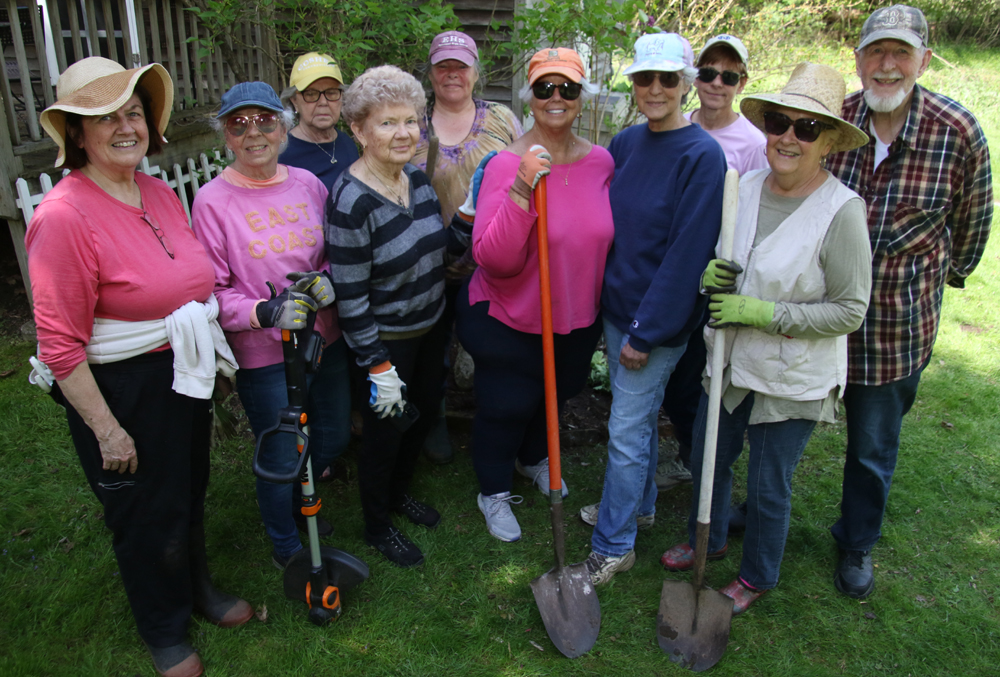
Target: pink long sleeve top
x,y
90,255
256,235
505,244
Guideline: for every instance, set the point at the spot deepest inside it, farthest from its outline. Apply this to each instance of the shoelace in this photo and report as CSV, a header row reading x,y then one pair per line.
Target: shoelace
x,y
595,562
498,504
396,541
856,558
411,504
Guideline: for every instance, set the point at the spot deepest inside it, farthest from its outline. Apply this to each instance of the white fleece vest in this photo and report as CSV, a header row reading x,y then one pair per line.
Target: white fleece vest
x,y
785,267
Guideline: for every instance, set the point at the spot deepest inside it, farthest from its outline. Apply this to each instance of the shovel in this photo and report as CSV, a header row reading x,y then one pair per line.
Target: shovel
x,y
565,596
693,623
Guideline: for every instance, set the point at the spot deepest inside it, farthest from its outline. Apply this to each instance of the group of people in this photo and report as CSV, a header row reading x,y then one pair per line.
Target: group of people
x,y
847,231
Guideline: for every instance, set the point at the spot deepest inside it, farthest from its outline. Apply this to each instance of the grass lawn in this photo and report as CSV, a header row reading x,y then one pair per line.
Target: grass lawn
x,y
469,610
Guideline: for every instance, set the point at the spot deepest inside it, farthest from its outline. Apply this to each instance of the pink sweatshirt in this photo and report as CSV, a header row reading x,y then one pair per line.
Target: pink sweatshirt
x,y
90,255
505,244
256,235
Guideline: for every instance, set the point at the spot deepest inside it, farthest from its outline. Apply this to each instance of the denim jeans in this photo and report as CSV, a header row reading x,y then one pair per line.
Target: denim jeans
x,y
874,419
629,489
775,450
263,393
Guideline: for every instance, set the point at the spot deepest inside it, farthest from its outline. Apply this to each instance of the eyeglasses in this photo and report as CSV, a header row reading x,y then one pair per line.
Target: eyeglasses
x,y
312,95
729,78
160,235
806,129
668,79
569,91
237,125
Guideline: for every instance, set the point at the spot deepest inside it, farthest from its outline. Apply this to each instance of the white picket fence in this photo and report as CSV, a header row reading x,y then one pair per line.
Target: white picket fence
x,y
192,173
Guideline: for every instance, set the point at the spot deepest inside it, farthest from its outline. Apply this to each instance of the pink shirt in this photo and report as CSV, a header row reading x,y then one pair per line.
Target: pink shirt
x,y
90,255
505,244
743,144
256,235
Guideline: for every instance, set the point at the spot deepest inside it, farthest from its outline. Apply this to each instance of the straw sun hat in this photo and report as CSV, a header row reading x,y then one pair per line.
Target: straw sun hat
x,y
96,86
812,88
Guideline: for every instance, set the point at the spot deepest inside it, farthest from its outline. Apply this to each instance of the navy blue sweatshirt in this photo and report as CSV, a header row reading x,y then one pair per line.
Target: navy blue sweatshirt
x,y
666,200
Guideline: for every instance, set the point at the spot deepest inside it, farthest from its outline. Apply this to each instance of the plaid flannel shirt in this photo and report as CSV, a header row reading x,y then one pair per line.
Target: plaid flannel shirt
x,y
930,204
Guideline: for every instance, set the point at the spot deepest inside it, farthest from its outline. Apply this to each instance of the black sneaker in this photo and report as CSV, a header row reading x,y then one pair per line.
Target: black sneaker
x,y
281,562
417,512
323,528
855,575
738,518
397,548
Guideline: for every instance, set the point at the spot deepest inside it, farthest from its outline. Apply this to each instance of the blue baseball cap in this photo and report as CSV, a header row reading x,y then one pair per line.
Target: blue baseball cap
x,y
246,94
661,52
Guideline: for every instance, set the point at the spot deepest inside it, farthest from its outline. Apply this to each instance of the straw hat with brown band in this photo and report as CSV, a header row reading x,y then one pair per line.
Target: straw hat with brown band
x,y
96,86
815,89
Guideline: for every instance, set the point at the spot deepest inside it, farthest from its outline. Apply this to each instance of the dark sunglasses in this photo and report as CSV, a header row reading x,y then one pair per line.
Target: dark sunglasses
x,y
160,235
668,79
569,91
312,95
237,125
729,78
806,129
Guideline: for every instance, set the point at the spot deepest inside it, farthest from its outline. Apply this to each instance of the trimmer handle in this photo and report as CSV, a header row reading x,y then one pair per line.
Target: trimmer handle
x,y
301,349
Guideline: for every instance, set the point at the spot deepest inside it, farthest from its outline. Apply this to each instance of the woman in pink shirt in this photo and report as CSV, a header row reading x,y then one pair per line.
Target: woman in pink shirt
x,y
115,272
259,221
499,315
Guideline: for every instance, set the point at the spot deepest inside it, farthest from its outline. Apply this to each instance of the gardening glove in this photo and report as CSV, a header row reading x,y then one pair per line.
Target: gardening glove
x,y
469,207
535,164
733,310
386,393
318,285
720,276
287,310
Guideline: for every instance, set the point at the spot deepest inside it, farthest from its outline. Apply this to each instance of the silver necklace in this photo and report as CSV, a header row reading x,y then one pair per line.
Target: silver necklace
x,y
333,160
395,194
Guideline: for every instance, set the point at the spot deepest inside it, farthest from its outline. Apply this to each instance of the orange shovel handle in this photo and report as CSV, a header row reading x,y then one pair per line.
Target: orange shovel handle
x,y
548,344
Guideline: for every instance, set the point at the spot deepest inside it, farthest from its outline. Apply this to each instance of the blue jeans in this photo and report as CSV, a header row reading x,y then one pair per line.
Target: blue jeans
x,y
263,393
874,419
629,489
775,450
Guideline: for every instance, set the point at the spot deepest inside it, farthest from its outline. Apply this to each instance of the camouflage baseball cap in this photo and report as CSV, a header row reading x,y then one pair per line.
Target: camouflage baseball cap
x,y
899,22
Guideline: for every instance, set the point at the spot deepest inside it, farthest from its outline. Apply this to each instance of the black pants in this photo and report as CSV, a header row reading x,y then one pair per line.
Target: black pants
x,y
510,389
388,456
684,390
150,513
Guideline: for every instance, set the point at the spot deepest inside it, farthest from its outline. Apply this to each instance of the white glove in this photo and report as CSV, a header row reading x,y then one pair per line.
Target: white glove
x,y
386,393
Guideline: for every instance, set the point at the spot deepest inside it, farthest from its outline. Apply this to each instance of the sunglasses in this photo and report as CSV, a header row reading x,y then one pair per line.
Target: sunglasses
x,y
668,79
312,95
806,129
729,78
569,91
160,235
237,125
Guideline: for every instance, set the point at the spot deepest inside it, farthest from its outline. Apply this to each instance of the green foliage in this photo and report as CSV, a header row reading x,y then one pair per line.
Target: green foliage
x,y
599,379
358,33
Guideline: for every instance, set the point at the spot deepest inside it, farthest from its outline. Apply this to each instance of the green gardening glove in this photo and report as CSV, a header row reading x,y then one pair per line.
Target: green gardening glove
x,y
720,276
732,310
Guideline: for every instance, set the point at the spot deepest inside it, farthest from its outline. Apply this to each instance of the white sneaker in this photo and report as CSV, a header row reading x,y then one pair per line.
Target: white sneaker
x,y
500,521
588,514
602,569
671,473
539,474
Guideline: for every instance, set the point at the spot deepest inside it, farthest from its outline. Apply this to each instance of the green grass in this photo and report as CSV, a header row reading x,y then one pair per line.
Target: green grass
x,y
469,610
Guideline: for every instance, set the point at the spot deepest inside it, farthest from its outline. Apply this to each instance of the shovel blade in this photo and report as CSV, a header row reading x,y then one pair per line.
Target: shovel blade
x,y
692,627
569,607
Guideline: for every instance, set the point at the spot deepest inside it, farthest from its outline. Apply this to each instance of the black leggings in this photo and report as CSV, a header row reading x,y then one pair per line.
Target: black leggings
x,y
388,456
151,513
684,389
510,388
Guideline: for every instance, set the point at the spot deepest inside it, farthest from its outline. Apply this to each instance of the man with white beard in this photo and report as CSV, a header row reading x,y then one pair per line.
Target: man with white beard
x,y
925,176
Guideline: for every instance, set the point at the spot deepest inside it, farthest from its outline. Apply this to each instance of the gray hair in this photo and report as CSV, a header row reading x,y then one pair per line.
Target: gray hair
x,y
589,91
285,117
381,86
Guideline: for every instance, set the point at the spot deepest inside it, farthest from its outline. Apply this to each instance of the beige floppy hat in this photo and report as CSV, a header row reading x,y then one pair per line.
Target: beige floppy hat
x,y
812,88
95,86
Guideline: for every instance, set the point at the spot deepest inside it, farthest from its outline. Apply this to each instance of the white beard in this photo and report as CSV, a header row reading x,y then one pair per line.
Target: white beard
x,y
886,104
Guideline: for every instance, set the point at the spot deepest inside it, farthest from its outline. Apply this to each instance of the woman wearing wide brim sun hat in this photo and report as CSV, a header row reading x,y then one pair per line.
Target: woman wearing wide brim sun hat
x,y
791,306
134,359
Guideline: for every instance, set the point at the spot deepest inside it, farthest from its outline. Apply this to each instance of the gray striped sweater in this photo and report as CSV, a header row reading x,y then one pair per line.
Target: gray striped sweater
x,y
387,261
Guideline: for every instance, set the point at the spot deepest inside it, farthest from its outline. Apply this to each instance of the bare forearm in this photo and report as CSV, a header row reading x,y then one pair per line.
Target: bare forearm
x,y
117,448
